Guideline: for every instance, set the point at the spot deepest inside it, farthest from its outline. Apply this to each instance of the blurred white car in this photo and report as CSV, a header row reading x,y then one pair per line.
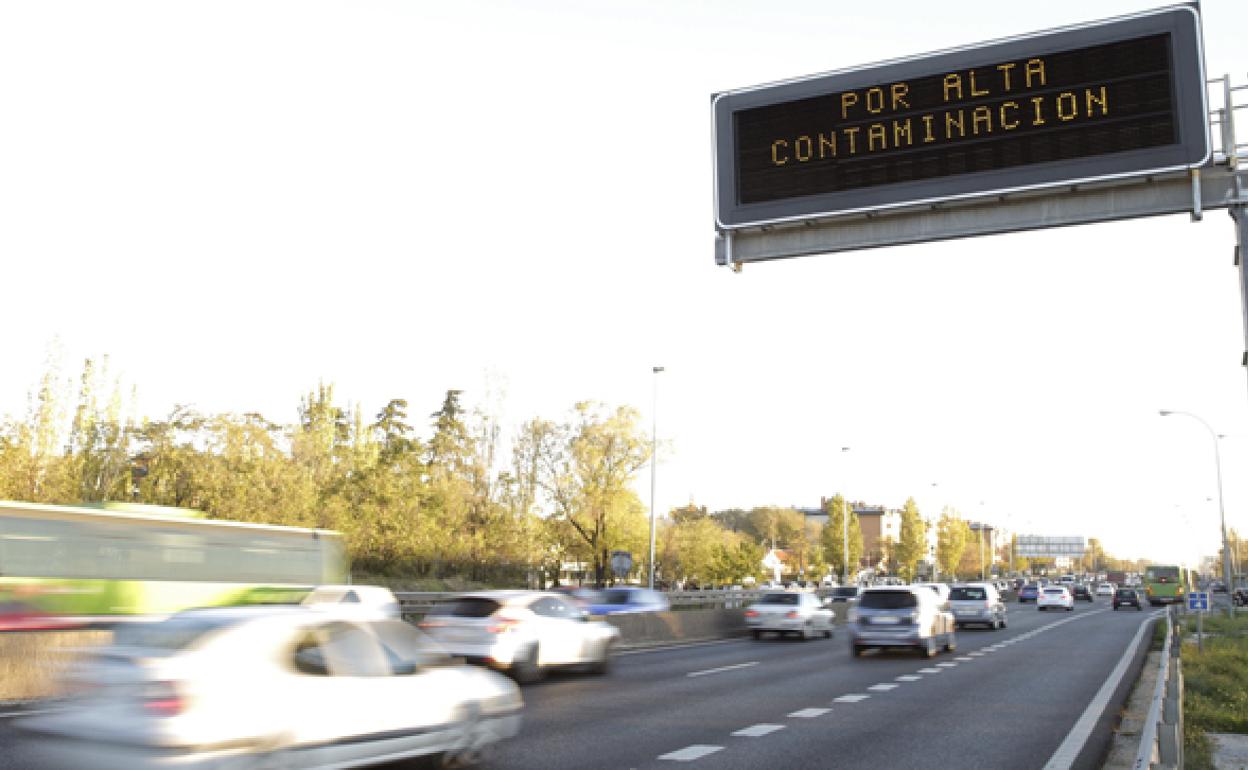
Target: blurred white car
x,y
522,632
273,686
366,600
796,612
1106,589
1055,596
941,589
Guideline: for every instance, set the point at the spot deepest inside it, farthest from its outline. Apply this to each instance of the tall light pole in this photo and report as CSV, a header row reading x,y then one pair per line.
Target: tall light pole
x,y
654,458
1217,459
845,530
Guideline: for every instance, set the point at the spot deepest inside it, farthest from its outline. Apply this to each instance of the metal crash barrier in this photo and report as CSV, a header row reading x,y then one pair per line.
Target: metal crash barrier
x,y
1161,740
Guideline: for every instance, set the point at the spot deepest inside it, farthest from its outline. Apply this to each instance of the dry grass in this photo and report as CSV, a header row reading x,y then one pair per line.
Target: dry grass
x,y
31,662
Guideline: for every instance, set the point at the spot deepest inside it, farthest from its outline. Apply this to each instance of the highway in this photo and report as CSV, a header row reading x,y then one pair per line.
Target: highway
x,y
1003,700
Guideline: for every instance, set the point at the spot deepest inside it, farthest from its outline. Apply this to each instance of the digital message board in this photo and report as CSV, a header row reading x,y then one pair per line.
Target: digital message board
x,y
1110,99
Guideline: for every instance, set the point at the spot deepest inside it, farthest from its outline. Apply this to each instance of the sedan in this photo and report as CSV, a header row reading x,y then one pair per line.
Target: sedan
x,y
622,599
797,613
1029,593
296,686
522,632
1055,596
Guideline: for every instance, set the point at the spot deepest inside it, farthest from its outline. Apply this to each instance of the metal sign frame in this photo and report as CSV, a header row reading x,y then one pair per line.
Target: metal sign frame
x,y
1192,149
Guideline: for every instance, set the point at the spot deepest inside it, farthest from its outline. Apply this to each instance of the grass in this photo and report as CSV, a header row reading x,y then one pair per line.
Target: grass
x,y
1215,685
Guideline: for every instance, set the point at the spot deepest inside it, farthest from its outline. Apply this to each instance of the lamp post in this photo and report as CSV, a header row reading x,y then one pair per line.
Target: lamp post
x,y
845,531
654,458
1217,459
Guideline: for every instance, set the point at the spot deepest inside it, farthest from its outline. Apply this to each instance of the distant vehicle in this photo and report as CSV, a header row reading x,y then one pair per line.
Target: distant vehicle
x,y
1217,587
901,616
123,559
377,601
291,686
1055,597
845,593
977,604
1239,597
1165,584
582,595
1105,589
621,599
1080,592
1127,597
941,589
522,632
1117,578
790,612
1029,593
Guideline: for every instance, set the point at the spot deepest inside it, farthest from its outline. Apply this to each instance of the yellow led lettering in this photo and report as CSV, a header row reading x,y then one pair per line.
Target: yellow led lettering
x,y
1067,107
779,152
1035,68
927,129
1009,123
804,148
875,100
953,83
974,89
1004,69
848,99
981,116
899,93
1038,102
877,133
901,132
951,124
827,145
852,135
1102,101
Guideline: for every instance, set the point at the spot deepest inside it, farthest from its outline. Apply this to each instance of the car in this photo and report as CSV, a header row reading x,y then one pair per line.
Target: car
x,y
941,589
1055,596
272,685
1105,589
977,604
1239,597
901,616
376,601
1081,592
525,633
622,599
1029,593
845,593
1127,597
1217,587
785,612
583,596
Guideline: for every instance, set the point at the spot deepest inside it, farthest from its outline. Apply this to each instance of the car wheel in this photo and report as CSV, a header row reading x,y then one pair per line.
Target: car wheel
x,y
828,634
930,650
856,650
805,634
1071,608
1004,622
951,642
1138,607
756,633
526,670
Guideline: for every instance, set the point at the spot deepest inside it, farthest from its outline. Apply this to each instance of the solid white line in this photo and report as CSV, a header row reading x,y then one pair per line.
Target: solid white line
x,y
1068,752
723,668
757,731
809,713
690,753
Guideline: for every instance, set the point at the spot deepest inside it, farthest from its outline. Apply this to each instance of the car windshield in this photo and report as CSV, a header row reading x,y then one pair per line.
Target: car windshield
x,y
467,607
1126,592
1055,591
845,591
964,593
169,636
888,600
791,599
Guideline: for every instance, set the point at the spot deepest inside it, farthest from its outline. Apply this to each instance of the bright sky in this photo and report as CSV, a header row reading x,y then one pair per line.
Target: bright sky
x,y
236,200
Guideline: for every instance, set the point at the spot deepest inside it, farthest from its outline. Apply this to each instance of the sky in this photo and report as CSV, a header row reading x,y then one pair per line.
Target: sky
x,y
235,201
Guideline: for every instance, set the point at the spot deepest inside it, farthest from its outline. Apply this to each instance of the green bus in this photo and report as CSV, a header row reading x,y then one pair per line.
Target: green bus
x,y
111,560
1165,584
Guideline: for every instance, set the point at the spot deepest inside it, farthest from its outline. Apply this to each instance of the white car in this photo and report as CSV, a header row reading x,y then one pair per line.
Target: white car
x,y
273,686
796,612
522,632
1055,596
1105,589
376,601
941,589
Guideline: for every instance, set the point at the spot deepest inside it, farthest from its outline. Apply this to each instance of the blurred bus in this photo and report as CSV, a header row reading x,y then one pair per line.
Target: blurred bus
x,y
118,560
1165,584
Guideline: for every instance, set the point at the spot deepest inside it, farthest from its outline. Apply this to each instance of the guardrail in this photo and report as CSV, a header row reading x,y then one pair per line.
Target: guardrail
x,y
1161,740
416,603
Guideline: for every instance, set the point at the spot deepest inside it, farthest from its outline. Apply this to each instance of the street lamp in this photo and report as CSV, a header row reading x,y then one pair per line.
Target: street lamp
x,y
654,457
845,532
1217,459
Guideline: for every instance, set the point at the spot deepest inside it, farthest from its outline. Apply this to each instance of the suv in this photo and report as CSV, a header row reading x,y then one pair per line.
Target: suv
x,y
901,616
1127,597
1079,591
977,603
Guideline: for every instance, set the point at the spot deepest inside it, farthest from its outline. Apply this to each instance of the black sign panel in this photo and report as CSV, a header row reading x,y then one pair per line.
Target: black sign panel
x,y
1112,99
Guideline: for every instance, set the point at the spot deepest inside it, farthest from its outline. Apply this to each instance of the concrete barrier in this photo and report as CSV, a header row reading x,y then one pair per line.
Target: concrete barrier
x,y
645,629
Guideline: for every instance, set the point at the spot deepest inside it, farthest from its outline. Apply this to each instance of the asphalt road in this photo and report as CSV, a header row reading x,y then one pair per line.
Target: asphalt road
x,y
1005,699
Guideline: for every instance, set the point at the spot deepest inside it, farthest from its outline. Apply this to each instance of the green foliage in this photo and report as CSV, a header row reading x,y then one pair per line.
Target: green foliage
x,y
952,536
1215,681
912,546
833,537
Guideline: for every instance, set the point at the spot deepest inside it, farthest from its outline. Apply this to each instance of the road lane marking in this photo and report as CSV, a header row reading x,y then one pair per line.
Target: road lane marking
x,y
908,678
1068,752
690,753
809,713
947,665
757,731
964,658
850,698
722,669
975,654
883,687
930,670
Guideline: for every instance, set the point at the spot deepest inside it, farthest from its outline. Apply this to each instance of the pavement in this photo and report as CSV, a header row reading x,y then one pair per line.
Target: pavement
x,y
1230,751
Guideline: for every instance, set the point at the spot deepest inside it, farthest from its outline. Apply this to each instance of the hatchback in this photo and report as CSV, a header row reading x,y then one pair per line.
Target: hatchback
x,y
1127,597
797,613
902,616
269,686
977,604
1029,593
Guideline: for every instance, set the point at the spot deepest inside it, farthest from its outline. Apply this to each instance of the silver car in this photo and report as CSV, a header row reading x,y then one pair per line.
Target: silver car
x,y
795,612
977,604
272,686
522,632
901,616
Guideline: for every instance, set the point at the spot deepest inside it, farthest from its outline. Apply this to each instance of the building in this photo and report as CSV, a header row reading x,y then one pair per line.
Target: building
x,y
879,526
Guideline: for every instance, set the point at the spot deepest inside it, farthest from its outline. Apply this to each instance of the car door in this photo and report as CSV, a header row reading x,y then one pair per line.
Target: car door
x,y
558,638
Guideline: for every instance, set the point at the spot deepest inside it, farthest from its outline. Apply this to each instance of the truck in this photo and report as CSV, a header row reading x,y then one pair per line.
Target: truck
x,y
1117,578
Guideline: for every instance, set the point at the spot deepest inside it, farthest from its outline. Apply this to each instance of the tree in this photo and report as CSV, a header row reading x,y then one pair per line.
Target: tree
x,y
913,543
833,537
952,536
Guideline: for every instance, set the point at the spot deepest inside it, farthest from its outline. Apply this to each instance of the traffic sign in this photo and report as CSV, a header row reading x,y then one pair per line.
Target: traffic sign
x,y
1198,601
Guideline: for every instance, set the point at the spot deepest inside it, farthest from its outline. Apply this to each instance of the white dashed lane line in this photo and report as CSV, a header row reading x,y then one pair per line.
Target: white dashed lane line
x,y
930,670
851,698
690,753
883,687
721,669
947,665
909,678
809,713
757,731
964,659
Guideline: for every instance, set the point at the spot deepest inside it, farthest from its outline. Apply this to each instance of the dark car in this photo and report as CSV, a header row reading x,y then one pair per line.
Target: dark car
x,y
1029,593
1240,596
1127,597
1081,592
844,593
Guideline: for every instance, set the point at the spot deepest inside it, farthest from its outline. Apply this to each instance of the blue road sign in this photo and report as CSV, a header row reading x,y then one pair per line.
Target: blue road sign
x,y
1198,600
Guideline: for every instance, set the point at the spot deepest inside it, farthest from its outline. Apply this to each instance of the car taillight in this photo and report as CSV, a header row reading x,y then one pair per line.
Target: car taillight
x,y
751,613
503,625
792,615
162,699
430,624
